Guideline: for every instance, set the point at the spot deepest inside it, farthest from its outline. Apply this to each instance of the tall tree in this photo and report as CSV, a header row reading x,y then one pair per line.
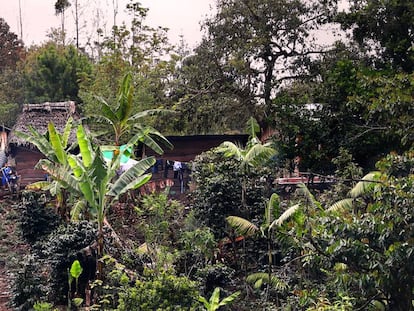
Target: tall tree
x,y
11,48
60,8
122,121
259,44
54,73
385,27
140,50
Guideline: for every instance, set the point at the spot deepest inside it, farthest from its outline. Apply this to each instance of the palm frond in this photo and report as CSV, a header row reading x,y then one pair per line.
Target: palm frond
x,y
366,185
285,215
230,149
272,208
263,277
259,154
252,127
344,204
242,226
149,113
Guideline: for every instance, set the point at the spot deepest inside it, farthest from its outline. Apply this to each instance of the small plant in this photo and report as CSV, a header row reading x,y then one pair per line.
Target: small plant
x,y
42,306
74,274
214,302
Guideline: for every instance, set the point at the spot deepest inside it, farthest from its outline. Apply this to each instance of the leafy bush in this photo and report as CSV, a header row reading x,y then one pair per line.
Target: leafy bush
x,y
37,219
62,247
212,276
218,190
28,284
162,291
161,218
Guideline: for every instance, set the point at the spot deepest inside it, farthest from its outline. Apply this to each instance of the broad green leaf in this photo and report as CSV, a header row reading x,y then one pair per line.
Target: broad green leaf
x,y
76,168
56,143
39,185
230,149
229,299
66,132
84,146
215,297
76,210
309,196
272,208
132,178
76,269
59,173
274,281
77,301
38,140
204,301
252,127
259,154
125,99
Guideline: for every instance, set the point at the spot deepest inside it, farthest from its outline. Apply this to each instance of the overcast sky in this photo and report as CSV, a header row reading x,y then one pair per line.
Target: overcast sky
x,y
181,16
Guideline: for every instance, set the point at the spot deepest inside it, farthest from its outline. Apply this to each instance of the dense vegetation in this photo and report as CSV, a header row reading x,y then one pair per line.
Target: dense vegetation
x,y
343,108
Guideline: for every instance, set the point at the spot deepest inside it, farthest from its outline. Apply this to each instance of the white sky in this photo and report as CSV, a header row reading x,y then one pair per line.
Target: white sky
x,y
182,17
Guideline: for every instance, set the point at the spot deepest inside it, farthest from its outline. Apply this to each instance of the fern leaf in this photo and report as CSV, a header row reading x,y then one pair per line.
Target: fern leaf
x,y
341,205
242,226
285,215
366,185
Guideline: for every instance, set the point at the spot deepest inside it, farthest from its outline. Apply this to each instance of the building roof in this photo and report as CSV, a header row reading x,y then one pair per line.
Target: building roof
x,y
186,148
38,116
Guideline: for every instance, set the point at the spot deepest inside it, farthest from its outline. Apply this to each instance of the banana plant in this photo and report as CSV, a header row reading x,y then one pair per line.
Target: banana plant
x,y
55,147
123,121
95,180
247,228
253,155
214,303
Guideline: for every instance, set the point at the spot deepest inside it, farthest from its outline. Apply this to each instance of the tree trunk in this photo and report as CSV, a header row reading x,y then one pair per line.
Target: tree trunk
x,y
99,263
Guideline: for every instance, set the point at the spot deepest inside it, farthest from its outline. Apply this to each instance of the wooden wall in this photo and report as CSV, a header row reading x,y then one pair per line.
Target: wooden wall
x,y
25,161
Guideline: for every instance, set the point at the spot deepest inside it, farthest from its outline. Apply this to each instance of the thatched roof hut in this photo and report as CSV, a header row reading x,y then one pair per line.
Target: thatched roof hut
x,y
38,116
25,155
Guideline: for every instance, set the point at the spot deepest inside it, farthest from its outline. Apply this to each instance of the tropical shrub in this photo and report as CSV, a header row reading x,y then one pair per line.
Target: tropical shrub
x,y
37,218
362,247
159,291
218,192
58,252
29,284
